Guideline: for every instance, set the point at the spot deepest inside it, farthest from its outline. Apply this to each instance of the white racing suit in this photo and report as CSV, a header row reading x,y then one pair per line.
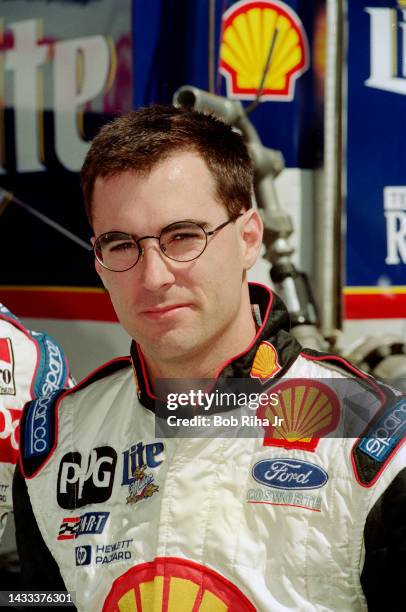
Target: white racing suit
x,y
287,520
31,365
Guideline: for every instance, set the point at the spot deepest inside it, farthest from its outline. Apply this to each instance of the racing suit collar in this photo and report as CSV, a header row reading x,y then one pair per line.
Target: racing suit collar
x,y
272,319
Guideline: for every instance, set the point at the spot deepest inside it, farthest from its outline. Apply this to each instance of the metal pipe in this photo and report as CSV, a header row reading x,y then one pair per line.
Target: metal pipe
x,y
328,239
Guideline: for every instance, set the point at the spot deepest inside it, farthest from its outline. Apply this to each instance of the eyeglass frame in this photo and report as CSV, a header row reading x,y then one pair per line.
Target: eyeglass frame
x,y
141,249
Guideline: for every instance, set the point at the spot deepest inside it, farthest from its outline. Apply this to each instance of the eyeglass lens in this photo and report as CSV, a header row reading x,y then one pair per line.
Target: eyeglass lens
x,y
183,241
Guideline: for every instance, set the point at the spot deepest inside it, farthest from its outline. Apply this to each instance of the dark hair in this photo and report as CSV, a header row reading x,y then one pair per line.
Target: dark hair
x,y
137,141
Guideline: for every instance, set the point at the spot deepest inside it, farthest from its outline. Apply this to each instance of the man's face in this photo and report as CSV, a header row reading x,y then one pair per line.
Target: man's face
x,y
176,310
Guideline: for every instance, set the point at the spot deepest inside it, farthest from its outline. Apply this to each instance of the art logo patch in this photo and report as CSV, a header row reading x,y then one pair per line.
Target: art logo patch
x,y
7,383
90,523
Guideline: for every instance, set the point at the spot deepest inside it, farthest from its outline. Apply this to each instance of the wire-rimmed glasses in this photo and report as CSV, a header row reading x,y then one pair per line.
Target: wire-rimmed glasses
x,y
181,241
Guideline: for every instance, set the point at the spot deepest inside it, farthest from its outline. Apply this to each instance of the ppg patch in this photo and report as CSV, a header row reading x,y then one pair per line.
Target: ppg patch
x,y
7,383
386,433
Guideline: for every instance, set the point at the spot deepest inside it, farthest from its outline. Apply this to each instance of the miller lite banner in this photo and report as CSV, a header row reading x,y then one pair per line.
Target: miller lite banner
x,y
376,160
65,69
68,67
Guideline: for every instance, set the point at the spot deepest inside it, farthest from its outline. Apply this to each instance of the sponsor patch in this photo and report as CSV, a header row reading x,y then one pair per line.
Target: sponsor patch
x,y
86,481
284,498
110,553
38,426
104,554
289,474
83,555
265,364
52,371
139,455
88,524
386,433
307,410
7,382
170,583
142,486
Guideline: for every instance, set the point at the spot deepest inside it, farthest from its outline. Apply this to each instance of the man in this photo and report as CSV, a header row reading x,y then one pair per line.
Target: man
x,y
138,520
31,365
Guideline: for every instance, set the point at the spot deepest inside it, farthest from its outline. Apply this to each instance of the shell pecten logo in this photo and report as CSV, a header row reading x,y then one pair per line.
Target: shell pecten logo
x,y
257,34
169,584
308,410
265,364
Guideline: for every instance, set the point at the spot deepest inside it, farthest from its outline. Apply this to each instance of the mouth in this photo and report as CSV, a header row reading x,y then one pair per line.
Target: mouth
x,y
164,312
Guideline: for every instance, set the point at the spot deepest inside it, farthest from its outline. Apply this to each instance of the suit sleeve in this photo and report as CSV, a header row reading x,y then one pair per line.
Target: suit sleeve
x,y
384,572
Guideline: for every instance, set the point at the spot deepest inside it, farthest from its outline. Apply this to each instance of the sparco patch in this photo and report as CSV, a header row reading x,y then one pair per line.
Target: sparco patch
x,y
372,452
386,433
38,426
51,369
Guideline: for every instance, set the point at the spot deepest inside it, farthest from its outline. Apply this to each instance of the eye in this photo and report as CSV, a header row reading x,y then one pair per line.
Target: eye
x,y
179,236
121,246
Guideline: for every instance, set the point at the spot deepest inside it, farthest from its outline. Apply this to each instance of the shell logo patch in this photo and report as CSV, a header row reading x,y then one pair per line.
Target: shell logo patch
x,y
308,410
265,364
169,584
257,34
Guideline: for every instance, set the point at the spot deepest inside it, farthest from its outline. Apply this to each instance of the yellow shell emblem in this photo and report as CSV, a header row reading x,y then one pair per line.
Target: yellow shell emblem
x,y
257,34
308,410
265,364
169,584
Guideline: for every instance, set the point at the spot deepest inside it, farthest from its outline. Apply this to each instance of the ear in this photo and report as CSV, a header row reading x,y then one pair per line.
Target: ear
x,y
98,267
252,229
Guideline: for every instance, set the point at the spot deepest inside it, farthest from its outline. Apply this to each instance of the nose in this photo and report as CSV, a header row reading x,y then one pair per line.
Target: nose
x,y
155,268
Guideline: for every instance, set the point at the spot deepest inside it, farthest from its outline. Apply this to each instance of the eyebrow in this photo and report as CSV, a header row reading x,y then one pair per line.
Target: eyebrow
x,y
204,224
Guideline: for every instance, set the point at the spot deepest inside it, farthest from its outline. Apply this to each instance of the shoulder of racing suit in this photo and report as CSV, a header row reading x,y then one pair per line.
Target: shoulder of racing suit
x,y
382,442
51,370
385,434
41,417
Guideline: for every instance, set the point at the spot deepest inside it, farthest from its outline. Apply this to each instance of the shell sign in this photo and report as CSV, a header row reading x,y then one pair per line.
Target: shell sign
x,y
307,410
169,584
265,364
260,34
